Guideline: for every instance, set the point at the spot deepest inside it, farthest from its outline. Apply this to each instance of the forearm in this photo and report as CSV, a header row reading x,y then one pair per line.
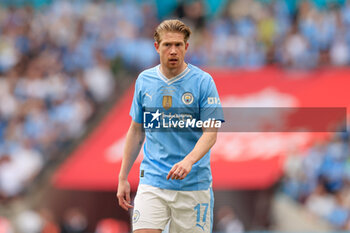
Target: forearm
x,y
203,145
134,141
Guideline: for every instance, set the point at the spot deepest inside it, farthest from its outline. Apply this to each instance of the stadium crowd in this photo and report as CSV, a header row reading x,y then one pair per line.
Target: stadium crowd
x,y
320,179
51,82
74,221
55,70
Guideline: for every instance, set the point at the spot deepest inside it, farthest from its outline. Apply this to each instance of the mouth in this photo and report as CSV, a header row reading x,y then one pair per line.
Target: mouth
x,y
173,60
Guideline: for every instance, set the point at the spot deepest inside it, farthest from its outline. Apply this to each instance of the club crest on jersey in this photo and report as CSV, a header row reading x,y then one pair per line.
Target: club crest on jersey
x,y
187,98
167,101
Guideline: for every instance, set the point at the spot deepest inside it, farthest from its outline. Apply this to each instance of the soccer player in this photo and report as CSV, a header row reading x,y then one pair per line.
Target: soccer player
x,y
175,174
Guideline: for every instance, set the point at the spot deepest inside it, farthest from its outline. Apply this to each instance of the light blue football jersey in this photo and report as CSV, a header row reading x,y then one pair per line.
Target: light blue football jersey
x,y
193,89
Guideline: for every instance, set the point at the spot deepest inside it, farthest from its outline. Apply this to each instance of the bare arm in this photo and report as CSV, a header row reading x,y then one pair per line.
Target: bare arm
x,y
181,169
134,140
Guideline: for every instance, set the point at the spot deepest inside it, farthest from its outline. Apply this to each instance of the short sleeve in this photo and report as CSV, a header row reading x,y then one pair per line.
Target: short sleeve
x,y
210,105
136,107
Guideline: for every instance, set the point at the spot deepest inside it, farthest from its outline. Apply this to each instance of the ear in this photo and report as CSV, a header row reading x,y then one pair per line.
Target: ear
x,y
186,45
156,45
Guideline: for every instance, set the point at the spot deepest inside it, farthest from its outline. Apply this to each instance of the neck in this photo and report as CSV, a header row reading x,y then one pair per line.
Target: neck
x,y
170,73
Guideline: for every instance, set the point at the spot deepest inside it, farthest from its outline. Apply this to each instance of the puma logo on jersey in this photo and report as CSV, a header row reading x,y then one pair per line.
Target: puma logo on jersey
x,y
148,95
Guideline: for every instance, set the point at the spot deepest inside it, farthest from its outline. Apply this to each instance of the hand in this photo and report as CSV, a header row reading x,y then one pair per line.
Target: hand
x,y
180,170
123,194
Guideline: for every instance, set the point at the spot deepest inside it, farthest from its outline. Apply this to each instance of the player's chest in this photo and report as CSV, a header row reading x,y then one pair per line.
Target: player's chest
x,y
173,96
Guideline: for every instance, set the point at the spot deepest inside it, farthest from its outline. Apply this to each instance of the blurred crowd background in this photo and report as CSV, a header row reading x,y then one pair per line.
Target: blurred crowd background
x,y
60,62
320,180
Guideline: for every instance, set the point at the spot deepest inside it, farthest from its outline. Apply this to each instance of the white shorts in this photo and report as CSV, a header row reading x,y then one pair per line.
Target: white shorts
x,y
186,211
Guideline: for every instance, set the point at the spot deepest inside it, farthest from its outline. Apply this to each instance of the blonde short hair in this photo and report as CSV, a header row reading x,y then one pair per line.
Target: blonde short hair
x,y
172,25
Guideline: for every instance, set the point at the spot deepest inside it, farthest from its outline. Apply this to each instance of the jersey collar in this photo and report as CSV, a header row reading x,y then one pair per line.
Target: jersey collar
x,y
170,81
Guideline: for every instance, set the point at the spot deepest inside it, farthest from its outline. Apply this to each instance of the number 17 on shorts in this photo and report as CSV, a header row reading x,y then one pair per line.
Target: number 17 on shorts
x,y
202,213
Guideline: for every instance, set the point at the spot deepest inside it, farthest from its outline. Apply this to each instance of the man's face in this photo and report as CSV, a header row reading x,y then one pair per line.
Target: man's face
x,y
172,49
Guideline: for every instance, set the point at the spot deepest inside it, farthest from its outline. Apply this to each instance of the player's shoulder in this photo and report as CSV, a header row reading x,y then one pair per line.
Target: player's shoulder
x,y
146,77
149,72
199,73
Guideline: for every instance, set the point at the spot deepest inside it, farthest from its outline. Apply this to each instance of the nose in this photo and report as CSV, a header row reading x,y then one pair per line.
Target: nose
x,y
173,50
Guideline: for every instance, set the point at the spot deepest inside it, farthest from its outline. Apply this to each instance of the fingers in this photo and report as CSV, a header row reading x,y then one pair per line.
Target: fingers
x,y
127,197
124,204
182,175
124,201
121,202
171,172
174,173
128,205
177,173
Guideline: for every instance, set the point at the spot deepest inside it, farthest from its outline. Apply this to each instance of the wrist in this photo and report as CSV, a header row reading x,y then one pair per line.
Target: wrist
x,y
123,178
189,160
